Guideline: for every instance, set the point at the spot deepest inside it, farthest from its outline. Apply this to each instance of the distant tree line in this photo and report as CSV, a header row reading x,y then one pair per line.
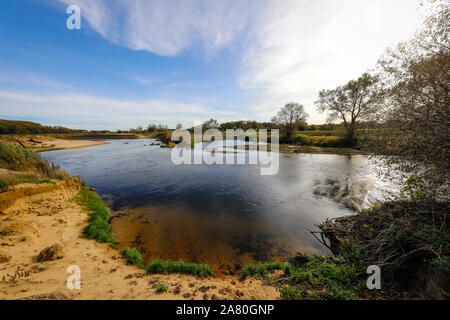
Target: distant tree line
x,y
26,127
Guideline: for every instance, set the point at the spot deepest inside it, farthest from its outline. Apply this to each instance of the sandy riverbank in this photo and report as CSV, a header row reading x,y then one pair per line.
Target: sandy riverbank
x,y
60,144
41,143
46,214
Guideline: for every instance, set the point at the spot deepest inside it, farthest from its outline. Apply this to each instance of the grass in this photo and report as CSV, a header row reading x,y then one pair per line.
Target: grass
x,y
99,229
14,157
169,267
319,141
5,232
260,270
99,217
23,165
169,145
162,287
335,133
10,178
401,235
313,149
133,257
7,179
312,278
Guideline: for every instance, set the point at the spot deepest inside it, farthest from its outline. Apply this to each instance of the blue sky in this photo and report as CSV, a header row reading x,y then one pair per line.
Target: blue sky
x,y
136,62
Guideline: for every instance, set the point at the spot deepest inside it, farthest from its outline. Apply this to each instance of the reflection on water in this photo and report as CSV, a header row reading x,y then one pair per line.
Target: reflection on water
x,y
223,215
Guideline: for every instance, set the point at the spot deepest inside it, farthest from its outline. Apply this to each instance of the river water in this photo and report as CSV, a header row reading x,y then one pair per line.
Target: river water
x,y
222,215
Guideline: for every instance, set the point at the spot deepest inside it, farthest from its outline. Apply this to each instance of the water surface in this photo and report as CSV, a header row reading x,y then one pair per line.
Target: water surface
x,y
223,215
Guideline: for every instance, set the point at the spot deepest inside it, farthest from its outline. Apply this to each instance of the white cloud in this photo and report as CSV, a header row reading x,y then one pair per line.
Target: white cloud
x,y
168,27
304,46
98,112
291,48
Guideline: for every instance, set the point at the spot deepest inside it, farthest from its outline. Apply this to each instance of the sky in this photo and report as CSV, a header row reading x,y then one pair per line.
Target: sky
x,y
136,62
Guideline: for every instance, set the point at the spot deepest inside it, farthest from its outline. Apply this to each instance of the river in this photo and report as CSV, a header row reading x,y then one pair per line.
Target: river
x,y
222,215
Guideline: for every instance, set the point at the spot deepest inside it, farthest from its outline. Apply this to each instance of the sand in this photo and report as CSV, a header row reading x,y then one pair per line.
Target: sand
x,y
60,144
41,143
51,216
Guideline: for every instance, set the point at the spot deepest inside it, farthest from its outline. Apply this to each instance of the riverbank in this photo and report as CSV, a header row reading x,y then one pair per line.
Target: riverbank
x,y
284,148
37,216
42,143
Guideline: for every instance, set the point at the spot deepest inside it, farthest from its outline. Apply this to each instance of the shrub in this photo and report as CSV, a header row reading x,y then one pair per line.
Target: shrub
x,y
169,267
133,256
401,235
334,292
291,293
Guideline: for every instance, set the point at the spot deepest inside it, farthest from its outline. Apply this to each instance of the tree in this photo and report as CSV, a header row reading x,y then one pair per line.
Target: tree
x,y
151,128
414,130
289,117
358,99
211,124
179,126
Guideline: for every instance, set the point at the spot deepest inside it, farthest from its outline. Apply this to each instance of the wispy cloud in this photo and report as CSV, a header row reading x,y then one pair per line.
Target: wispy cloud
x,y
169,27
145,80
49,83
299,47
290,48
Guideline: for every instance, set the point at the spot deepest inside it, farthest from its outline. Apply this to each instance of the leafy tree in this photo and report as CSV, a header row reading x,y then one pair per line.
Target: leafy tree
x,y
289,117
211,124
358,99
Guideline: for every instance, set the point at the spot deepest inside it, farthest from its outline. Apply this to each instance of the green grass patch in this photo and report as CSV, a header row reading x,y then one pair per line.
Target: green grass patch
x,y
133,257
99,217
320,141
312,277
162,287
169,145
5,232
169,267
261,270
322,270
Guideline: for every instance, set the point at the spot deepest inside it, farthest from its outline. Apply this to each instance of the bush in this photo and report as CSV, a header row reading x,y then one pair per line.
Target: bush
x,y
291,293
169,267
400,235
334,292
133,256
